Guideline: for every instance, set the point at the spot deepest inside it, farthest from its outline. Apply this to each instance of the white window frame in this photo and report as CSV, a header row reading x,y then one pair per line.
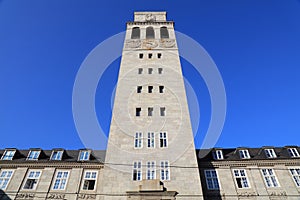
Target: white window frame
x,y
138,140
151,140
137,170
5,177
244,154
270,153
84,157
8,154
36,155
293,152
295,173
242,175
58,156
62,180
163,140
84,178
218,155
211,176
32,177
151,170
270,178
165,174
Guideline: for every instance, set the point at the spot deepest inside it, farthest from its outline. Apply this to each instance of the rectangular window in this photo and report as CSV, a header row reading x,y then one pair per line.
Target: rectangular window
x,y
138,112
5,177
218,155
151,170
164,170
8,154
150,70
33,155
32,180
56,155
139,89
211,177
89,180
270,153
162,111
138,140
296,176
150,111
84,155
163,140
160,70
270,178
244,154
159,55
150,55
161,89
60,180
150,89
141,55
137,171
241,178
140,70
293,152
151,140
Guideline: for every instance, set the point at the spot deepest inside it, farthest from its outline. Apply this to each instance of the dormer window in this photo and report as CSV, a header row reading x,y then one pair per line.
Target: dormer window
x,y
218,155
56,155
84,155
270,153
8,155
33,155
293,152
244,154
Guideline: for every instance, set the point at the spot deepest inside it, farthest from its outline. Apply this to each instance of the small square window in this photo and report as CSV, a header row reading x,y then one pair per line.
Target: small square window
x,y
84,155
162,111
150,55
150,111
8,154
140,70
139,89
33,155
150,89
159,55
161,89
141,55
150,70
138,112
56,155
160,70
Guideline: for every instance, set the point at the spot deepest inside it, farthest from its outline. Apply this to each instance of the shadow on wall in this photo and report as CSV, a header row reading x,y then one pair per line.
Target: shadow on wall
x,y
3,196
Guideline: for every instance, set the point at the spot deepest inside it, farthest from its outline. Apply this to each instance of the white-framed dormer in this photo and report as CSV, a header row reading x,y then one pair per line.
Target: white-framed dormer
x,y
33,154
293,152
270,153
84,155
244,154
8,154
57,154
217,154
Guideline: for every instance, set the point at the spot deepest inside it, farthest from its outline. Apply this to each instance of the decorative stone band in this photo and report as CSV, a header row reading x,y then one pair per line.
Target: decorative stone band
x,y
150,44
151,23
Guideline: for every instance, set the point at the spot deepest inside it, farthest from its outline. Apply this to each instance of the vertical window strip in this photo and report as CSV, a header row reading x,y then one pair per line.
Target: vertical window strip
x,y
151,172
137,171
138,140
164,170
151,140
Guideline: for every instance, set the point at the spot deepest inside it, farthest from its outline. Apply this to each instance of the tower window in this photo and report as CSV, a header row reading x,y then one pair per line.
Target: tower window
x,y
138,140
150,55
140,70
138,112
159,55
151,170
163,140
141,55
135,34
161,89
150,89
137,171
150,111
164,32
160,70
150,33
150,70
139,89
164,170
151,140
162,111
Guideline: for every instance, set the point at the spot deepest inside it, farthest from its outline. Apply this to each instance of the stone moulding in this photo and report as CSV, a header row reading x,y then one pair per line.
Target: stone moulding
x,y
150,44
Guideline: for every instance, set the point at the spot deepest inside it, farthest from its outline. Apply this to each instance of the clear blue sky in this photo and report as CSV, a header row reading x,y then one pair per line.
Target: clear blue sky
x,y
254,43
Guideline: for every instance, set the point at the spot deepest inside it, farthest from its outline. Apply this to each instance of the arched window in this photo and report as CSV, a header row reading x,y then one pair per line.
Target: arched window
x,y
149,33
135,34
164,32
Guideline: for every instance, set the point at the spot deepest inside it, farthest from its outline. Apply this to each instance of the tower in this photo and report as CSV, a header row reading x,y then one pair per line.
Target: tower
x,y
150,152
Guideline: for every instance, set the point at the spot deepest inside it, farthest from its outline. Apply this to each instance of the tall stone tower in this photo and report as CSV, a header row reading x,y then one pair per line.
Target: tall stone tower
x,y
151,153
